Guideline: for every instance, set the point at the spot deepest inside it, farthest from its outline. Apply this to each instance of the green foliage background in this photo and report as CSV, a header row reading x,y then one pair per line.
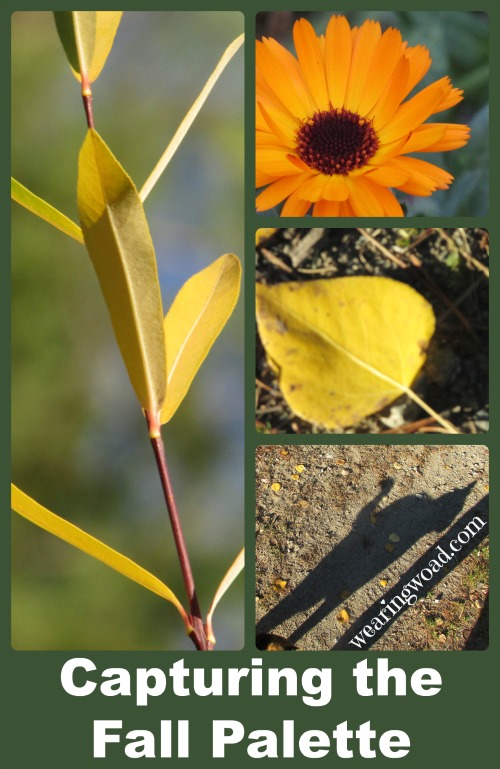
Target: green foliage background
x,y
80,445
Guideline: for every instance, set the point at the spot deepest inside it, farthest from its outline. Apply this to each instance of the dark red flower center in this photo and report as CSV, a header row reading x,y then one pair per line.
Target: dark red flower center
x,y
337,141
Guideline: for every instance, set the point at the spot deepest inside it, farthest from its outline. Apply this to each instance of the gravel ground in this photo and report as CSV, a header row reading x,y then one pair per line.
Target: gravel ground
x,y
340,530
448,267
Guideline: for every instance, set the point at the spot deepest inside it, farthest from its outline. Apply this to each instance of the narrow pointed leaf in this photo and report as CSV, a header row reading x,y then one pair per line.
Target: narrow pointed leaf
x,y
189,118
117,238
231,574
39,515
87,38
193,323
44,210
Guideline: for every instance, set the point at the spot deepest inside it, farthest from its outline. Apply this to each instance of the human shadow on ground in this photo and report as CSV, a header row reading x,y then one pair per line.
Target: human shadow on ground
x,y
472,528
479,637
360,556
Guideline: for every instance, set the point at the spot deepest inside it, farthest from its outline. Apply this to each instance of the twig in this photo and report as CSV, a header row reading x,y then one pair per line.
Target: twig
x,y
383,250
275,260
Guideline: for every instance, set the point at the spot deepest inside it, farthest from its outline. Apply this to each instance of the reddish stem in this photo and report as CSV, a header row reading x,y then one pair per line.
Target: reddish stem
x,y
87,101
198,635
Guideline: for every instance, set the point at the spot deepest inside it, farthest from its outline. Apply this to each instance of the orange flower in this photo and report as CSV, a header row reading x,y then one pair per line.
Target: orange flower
x,y
333,128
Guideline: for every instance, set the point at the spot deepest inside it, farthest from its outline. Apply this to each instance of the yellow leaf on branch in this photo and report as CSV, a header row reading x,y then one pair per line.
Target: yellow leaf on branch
x,y
197,316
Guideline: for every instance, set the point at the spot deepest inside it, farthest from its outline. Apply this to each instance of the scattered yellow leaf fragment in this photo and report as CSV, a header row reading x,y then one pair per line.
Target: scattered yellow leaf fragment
x,y
394,537
384,582
397,466
295,477
300,468
389,547
276,487
343,616
373,519
263,233
280,584
283,452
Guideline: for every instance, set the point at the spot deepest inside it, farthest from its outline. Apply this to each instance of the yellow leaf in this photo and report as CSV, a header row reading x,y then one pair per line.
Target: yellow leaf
x,y
231,574
300,468
389,547
117,238
276,487
280,584
343,616
263,233
344,347
189,117
384,582
44,210
87,38
295,477
34,512
197,316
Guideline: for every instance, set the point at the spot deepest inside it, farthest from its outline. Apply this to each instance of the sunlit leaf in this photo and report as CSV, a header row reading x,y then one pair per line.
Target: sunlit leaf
x,y
343,616
344,348
87,38
228,579
189,117
44,210
197,316
34,512
117,238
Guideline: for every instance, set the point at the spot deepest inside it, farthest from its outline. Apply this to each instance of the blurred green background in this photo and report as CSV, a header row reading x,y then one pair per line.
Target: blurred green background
x,y
458,45
80,444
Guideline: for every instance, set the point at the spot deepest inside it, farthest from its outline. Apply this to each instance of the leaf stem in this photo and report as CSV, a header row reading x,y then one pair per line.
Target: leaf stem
x,y
198,635
87,101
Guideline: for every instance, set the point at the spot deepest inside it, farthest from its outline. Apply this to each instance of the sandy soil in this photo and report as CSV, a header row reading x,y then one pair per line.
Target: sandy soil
x,y
342,529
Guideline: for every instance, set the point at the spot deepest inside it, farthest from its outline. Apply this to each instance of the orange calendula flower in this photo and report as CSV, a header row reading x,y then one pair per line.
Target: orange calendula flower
x,y
335,126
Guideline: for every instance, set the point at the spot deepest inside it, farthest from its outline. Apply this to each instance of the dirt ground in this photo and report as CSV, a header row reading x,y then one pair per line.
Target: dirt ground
x,y
341,530
449,267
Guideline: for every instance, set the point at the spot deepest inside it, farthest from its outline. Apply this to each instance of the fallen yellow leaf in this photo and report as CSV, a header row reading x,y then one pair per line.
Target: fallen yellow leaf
x,y
276,487
346,347
343,616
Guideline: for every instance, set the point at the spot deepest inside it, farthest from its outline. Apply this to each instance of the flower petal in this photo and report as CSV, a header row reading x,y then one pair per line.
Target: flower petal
x,y
363,197
277,192
425,178
311,62
455,136
422,136
280,81
384,61
415,111
293,206
388,175
326,208
368,38
338,52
